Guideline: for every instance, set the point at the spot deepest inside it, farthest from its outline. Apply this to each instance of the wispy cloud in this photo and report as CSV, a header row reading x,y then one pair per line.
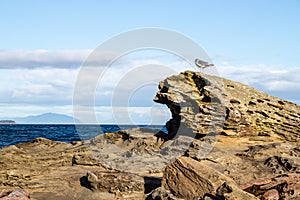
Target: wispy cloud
x,y
37,86
33,82
43,77
157,114
283,82
46,58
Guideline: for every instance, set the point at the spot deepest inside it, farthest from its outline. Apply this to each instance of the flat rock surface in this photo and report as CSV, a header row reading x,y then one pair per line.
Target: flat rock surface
x,y
44,168
48,169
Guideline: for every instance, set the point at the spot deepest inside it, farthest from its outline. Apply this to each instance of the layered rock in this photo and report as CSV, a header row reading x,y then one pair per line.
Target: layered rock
x,y
208,104
56,170
114,182
124,164
136,149
45,169
252,159
190,179
257,156
281,187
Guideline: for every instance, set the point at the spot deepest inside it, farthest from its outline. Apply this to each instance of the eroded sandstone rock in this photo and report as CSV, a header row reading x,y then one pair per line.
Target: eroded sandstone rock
x,y
161,194
285,186
14,195
205,104
44,168
135,151
114,182
189,179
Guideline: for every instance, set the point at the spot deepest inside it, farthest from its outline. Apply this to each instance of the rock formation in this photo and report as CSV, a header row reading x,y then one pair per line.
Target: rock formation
x,y
44,168
246,147
57,170
208,104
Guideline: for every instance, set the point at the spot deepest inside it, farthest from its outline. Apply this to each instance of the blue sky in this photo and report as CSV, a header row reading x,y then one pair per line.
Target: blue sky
x,y
255,42
247,31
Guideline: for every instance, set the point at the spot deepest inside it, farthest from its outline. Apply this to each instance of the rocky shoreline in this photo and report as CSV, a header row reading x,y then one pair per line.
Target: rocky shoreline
x,y
226,141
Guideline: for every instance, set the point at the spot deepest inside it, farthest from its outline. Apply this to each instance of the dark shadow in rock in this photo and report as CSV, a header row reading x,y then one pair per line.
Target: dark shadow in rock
x,y
175,129
172,127
224,188
212,197
161,136
85,183
151,183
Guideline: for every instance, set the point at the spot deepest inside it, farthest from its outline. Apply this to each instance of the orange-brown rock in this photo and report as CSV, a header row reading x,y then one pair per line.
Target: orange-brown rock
x,y
14,195
286,186
207,104
189,179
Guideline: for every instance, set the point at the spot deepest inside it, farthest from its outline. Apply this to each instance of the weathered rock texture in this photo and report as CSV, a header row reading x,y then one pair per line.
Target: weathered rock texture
x,y
14,195
257,156
189,179
45,169
125,164
56,170
281,187
250,158
136,149
114,182
208,104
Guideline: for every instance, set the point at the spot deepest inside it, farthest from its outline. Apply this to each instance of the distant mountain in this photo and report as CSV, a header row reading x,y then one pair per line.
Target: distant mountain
x,y
7,122
46,118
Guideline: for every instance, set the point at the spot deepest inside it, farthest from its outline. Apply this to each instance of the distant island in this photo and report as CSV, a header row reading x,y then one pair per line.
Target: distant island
x,y
46,118
7,122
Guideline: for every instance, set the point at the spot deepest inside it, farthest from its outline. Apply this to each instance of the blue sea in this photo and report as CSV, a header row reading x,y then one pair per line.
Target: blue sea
x,y
11,134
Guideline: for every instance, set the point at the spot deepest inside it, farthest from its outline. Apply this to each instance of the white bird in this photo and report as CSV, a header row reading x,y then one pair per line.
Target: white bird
x,y
202,64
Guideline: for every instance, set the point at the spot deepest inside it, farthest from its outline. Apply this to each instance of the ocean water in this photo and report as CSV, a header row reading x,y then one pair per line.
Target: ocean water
x,y
11,134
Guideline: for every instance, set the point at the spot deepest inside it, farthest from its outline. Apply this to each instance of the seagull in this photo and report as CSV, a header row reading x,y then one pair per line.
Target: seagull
x,y
202,64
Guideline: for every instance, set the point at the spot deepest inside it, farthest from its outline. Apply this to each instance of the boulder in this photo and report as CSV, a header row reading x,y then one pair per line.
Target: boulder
x,y
189,179
161,194
113,182
286,186
14,195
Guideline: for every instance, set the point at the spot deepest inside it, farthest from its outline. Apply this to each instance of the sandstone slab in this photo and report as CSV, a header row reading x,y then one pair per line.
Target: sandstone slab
x,y
189,179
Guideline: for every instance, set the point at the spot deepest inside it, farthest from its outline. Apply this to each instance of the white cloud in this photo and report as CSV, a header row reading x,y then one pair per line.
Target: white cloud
x,y
122,79
279,72
282,85
45,77
34,89
131,80
23,110
37,86
283,82
157,114
53,59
